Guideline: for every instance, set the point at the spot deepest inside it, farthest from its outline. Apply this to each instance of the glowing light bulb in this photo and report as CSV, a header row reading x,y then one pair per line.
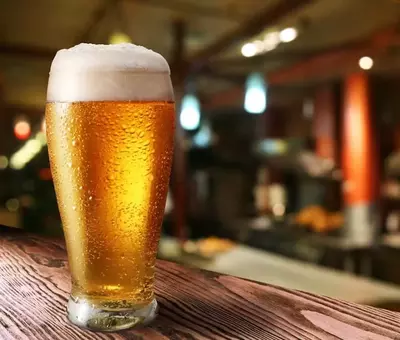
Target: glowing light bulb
x,y
366,63
255,100
288,34
190,112
271,41
28,151
249,50
22,129
119,38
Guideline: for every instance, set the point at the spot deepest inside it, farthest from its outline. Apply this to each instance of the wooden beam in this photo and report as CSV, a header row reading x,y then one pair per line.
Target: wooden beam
x,y
178,33
15,50
36,52
249,28
254,25
261,59
97,16
294,56
214,74
190,9
329,63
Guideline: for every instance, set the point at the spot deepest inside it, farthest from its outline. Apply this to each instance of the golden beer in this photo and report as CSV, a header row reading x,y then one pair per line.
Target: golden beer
x,y
111,161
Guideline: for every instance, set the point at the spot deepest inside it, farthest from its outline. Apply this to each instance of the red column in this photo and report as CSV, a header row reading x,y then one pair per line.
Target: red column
x,y
360,163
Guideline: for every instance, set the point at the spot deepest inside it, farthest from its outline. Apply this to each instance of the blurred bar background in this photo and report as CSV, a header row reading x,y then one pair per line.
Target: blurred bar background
x,y
287,147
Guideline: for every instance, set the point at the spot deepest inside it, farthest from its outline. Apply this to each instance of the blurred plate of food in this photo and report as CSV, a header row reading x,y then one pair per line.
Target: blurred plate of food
x,y
207,248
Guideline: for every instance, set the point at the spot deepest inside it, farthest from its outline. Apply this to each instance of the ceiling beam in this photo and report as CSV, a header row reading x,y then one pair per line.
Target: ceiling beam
x,y
334,61
214,74
251,27
320,65
287,56
269,57
190,9
15,50
97,16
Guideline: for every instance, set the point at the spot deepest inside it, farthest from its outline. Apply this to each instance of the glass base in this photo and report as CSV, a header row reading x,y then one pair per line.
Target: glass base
x,y
101,319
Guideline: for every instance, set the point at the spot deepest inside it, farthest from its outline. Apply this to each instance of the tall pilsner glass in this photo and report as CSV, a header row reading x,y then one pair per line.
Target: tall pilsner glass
x,y
110,125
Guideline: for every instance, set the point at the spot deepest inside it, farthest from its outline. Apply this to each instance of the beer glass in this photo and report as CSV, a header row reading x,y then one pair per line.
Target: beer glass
x,y
110,124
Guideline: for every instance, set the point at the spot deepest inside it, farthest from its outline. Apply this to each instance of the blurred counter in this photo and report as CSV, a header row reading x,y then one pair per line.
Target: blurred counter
x,y
258,265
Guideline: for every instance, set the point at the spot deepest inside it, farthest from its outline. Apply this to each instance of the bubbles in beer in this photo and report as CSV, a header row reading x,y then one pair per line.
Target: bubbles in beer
x,y
117,184
111,120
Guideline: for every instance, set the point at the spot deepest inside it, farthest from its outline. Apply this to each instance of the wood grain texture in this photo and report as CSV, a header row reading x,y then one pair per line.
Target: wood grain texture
x,y
34,287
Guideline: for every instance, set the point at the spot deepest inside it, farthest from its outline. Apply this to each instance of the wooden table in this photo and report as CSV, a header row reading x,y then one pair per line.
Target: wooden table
x,y
34,286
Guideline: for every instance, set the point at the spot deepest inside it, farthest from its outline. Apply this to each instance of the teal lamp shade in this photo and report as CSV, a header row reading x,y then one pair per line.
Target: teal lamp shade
x,y
255,100
190,112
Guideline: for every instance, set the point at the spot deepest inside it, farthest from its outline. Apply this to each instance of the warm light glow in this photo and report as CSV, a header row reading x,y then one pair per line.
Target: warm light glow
x,y
278,209
288,34
12,205
22,129
41,137
255,100
271,41
366,63
190,112
249,50
119,38
169,204
28,151
43,126
272,146
259,46
3,162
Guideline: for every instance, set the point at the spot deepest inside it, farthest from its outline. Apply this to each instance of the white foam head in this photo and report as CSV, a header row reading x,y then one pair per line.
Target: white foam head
x,y
123,72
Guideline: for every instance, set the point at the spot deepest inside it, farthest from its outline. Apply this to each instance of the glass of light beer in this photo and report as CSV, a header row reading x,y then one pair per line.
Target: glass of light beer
x,y
110,121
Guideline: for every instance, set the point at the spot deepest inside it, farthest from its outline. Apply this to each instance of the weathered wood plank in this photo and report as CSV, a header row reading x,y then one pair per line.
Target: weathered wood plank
x,y
34,286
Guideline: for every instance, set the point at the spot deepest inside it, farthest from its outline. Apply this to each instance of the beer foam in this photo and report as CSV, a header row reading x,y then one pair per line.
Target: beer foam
x,y
124,72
